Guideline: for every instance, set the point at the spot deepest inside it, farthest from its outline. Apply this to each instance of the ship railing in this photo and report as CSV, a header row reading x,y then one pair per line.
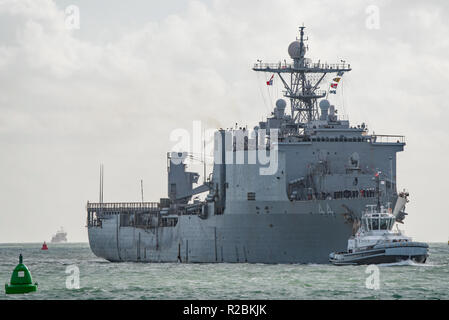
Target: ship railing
x,y
384,138
314,94
310,65
123,205
279,65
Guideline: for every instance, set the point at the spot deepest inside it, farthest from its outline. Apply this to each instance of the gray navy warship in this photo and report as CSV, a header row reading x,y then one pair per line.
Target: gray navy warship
x,y
290,191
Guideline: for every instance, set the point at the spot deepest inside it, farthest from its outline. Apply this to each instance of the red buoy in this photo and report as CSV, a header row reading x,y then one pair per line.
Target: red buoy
x,y
44,246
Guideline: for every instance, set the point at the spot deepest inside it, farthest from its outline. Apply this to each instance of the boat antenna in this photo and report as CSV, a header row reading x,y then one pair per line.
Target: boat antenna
x,y
101,183
141,188
377,178
204,158
389,193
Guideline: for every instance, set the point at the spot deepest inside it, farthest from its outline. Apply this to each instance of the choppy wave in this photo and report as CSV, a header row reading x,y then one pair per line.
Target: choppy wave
x,y
407,263
99,279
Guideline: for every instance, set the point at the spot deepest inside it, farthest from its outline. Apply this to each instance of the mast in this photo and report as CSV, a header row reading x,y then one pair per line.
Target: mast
x,y
377,179
101,183
301,80
141,188
204,159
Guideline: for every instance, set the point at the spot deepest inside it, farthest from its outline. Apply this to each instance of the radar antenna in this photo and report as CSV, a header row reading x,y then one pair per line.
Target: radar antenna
x,y
305,78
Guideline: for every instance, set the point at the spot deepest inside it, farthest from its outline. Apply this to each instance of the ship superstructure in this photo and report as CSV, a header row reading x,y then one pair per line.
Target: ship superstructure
x,y
289,191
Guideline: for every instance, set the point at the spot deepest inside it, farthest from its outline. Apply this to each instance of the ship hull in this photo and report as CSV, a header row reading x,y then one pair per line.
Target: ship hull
x,y
393,253
58,241
251,238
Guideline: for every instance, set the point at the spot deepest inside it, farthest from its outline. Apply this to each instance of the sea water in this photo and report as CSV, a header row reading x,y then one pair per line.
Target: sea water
x,y
72,271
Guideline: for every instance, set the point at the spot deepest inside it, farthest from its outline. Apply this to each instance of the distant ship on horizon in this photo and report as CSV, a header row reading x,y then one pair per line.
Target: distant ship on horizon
x,y
59,237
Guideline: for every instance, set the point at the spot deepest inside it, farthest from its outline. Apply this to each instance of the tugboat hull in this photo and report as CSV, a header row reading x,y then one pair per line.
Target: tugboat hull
x,y
391,253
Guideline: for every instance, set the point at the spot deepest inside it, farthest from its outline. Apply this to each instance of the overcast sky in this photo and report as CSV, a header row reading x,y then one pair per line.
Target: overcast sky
x,y
113,90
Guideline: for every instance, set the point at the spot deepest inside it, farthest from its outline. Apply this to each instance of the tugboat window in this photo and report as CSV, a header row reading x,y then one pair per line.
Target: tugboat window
x,y
375,224
384,224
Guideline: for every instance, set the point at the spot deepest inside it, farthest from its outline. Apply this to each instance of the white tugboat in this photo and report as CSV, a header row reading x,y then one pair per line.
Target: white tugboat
x,y
376,242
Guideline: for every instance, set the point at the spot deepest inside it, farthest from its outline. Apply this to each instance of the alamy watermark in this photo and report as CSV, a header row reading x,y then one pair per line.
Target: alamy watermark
x,y
372,21
373,280
72,281
72,17
230,146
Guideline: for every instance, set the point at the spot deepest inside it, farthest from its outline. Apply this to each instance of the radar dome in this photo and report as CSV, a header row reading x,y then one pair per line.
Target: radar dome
x,y
294,50
324,104
280,108
281,104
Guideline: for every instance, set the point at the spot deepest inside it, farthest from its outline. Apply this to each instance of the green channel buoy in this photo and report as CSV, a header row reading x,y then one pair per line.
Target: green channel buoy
x,y
21,281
